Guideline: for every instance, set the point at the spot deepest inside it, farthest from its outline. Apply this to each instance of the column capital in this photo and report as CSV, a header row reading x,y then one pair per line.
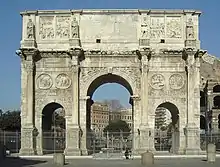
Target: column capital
x,y
197,53
144,53
74,69
75,52
29,66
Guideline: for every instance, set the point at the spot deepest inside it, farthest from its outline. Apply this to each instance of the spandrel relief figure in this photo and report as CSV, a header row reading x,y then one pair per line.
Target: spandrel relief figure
x,y
30,29
75,28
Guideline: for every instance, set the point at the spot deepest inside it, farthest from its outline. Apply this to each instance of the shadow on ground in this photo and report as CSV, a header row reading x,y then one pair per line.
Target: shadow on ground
x,y
19,162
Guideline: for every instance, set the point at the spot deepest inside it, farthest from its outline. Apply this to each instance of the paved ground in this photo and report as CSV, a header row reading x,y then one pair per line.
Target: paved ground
x,y
16,162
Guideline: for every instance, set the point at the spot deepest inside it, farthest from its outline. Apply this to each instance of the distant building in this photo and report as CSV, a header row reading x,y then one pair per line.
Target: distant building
x,y
122,114
126,115
99,116
160,117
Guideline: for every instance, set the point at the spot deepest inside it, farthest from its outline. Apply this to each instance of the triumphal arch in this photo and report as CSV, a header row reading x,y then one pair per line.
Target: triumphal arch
x,y
67,54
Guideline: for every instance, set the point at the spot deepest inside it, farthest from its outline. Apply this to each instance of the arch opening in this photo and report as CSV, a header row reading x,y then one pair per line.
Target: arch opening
x,y
203,124
216,102
216,89
109,111
166,127
53,128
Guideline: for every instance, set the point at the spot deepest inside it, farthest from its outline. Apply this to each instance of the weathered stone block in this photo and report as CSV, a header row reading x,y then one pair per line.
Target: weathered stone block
x,y
211,152
59,159
147,159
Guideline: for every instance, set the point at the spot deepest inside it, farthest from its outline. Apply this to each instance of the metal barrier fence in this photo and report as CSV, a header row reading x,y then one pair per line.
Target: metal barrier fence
x,y
96,143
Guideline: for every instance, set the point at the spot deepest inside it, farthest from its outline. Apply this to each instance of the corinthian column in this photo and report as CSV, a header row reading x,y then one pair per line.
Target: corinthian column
x,y
72,122
192,130
27,105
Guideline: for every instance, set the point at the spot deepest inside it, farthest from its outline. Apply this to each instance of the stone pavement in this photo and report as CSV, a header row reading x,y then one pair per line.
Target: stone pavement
x,y
197,162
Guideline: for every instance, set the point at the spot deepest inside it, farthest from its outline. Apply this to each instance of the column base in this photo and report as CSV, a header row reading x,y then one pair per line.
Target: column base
x,y
72,152
84,152
192,151
143,150
40,152
27,151
27,141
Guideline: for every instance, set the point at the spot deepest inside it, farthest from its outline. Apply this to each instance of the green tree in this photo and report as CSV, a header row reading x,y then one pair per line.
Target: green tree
x,y
117,128
10,121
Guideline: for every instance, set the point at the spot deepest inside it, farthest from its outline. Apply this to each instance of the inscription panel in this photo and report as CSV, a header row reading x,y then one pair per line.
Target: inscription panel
x,y
108,27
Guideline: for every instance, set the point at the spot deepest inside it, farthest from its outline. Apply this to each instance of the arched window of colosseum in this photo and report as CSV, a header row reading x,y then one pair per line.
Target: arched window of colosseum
x,y
216,89
216,102
202,98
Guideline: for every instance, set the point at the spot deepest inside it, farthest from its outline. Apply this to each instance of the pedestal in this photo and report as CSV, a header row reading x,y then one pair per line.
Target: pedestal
x,y
146,140
192,141
27,142
72,142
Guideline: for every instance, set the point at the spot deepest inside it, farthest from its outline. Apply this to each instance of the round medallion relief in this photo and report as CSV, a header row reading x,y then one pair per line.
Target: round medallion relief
x,y
176,81
44,81
157,81
63,81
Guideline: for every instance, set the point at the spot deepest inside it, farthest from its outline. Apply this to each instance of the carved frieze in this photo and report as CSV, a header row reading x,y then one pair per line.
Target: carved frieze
x,y
47,27
62,81
157,27
44,81
109,52
157,81
173,27
176,81
30,29
62,27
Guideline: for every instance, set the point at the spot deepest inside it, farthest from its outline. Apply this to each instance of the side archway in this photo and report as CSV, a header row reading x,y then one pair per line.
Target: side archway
x,y
53,128
167,136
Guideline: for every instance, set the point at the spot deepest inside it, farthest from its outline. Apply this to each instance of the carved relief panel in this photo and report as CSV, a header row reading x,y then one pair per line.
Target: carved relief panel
x,y
44,81
157,27
173,27
63,81
53,87
46,30
63,27
167,84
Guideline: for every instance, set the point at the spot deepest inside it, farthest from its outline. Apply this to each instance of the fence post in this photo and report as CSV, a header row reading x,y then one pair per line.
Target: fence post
x,y
16,140
4,138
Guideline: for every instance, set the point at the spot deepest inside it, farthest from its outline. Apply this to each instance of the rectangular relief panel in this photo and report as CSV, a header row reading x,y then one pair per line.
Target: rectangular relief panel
x,y
157,27
174,27
46,27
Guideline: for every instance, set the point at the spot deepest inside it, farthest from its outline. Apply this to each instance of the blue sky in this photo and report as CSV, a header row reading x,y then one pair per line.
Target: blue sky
x,y
10,33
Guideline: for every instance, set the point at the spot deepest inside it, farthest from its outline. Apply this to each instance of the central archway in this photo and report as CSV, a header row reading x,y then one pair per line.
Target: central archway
x,y
166,127
95,84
